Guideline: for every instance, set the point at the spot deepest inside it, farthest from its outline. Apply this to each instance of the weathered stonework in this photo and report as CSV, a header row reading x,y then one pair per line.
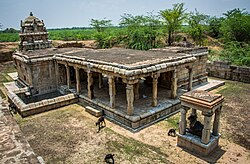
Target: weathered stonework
x,y
143,82
227,71
209,104
14,148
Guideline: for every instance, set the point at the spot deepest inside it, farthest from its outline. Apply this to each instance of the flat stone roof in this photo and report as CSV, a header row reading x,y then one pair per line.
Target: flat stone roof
x,y
126,57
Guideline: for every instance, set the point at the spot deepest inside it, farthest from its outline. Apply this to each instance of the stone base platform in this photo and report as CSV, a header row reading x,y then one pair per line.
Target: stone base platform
x,y
193,143
138,121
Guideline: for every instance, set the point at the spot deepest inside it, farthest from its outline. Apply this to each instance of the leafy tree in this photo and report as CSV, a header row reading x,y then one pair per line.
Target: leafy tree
x,y
197,26
100,25
103,37
174,19
236,26
214,25
141,31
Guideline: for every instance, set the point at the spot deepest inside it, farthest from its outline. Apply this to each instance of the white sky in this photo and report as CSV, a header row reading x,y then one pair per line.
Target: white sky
x,y
78,13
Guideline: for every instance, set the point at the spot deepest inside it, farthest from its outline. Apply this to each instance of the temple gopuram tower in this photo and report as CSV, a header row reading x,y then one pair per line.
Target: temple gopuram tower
x,y
33,34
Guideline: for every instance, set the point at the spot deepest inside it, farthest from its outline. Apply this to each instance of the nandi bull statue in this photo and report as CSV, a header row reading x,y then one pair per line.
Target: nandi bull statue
x,y
195,127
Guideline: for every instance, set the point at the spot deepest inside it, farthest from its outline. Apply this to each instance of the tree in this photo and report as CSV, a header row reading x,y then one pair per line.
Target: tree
x,y
103,37
236,26
100,25
214,25
174,19
141,31
197,25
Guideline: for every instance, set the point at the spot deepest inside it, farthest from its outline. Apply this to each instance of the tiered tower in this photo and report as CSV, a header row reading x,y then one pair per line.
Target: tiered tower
x,y
33,34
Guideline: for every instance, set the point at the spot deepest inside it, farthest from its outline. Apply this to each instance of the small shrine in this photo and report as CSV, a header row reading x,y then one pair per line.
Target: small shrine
x,y
198,137
33,34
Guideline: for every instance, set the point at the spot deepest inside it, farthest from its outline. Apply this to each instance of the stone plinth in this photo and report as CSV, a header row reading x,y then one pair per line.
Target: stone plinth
x,y
193,143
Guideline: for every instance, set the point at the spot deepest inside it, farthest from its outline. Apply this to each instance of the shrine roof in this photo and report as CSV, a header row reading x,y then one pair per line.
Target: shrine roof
x,y
114,55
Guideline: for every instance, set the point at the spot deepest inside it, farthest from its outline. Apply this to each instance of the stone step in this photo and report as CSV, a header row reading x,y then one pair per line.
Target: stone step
x,y
93,111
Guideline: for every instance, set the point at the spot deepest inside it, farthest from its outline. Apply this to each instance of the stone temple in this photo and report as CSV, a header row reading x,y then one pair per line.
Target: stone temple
x,y
134,88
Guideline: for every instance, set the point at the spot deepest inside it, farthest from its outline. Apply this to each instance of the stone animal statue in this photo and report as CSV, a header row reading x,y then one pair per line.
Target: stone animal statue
x,y
100,122
109,158
172,132
195,127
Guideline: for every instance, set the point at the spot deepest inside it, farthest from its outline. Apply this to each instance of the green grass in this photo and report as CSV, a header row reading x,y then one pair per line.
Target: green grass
x,y
133,148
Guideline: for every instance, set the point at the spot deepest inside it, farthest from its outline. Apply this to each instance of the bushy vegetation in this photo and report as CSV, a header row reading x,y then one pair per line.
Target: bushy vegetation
x,y
237,53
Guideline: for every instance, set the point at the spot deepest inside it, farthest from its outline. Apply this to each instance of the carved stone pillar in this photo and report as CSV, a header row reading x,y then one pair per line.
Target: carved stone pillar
x,y
130,99
90,85
57,73
183,122
154,91
216,125
68,75
206,130
112,93
130,95
78,82
136,90
174,85
100,80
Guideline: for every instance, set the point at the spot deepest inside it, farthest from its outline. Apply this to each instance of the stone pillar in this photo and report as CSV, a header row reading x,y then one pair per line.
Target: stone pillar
x,y
174,85
216,124
100,80
136,90
78,82
206,130
130,94
183,122
57,74
154,91
90,85
68,76
111,81
190,83
130,99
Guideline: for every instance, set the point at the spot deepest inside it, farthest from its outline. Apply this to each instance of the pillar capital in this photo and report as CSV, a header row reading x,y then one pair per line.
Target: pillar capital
x,y
76,68
208,114
155,75
130,81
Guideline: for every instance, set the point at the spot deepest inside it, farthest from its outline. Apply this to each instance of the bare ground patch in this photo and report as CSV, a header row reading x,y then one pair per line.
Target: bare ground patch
x,y
69,135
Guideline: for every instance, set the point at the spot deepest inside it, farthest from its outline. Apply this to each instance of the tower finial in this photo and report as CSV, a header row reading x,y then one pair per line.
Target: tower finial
x,y
31,14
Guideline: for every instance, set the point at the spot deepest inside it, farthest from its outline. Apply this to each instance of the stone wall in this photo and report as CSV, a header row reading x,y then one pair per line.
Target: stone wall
x,y
227,71
199,72
39,76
